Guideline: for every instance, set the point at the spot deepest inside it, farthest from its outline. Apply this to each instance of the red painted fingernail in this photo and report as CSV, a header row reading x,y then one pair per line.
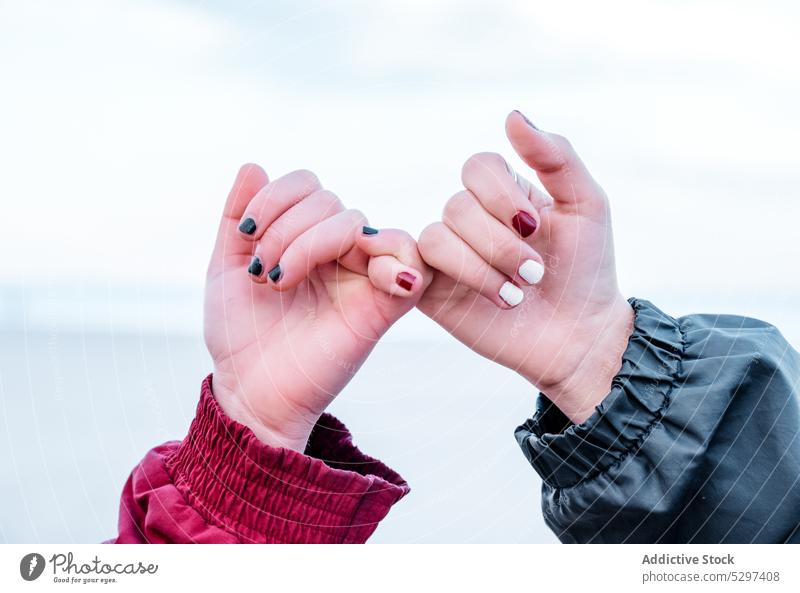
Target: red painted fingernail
x,y
524,223
405,280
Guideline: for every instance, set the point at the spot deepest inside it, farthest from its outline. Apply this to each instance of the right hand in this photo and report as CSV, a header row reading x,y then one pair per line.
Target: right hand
x,y
528,279
288,331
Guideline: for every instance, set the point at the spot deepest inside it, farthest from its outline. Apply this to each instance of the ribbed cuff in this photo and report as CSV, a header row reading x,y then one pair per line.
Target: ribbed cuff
x,y
332,494
565,454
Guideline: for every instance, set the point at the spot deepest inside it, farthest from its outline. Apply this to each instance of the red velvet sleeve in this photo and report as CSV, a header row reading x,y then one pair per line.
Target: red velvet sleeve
x,y
222,485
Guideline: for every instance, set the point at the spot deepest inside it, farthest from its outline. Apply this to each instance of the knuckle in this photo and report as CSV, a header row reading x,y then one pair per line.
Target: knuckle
x,y
408,244
481,162
275,237
405,238
356,217
306,179
407,249
356,214
401,236
432,238
458,205
329,201
505,250
499,197
564,149
562,141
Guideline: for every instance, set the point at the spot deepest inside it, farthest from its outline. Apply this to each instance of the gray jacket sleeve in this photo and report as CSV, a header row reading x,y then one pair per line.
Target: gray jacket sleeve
x,y
697,441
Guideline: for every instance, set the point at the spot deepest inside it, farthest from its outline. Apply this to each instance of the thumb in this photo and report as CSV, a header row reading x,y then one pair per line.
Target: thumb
x,y
558,166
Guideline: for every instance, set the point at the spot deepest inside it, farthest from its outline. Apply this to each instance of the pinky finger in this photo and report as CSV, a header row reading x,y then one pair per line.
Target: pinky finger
x,y
390,275
395,266
327,241
445,251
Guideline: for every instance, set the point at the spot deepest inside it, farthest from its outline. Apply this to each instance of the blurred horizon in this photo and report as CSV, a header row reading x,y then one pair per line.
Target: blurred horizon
x,y
147,309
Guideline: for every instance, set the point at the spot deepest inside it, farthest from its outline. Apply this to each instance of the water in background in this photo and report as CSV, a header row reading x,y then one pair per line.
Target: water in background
x,y
90,379
88,385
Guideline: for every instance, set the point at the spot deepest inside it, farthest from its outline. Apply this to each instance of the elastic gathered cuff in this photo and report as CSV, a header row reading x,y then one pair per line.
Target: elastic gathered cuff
x,y
565,454
332,494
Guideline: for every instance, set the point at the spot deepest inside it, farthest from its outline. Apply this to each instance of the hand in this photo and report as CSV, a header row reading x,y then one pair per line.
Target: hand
x,y
297,295
528,279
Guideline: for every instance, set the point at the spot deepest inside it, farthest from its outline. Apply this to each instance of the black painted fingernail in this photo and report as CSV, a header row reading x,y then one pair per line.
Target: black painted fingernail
x,y
248,226
368,230
255,268
527,121
275,273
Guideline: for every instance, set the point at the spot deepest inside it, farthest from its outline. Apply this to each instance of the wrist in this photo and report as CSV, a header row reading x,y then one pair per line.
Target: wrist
x,y
578,392
273,427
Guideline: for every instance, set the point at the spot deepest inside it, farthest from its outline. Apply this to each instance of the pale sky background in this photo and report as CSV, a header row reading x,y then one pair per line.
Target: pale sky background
x,y
122,124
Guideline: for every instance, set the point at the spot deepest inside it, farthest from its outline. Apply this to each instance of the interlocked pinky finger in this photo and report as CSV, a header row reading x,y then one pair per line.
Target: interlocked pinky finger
x,y
395,264
390,275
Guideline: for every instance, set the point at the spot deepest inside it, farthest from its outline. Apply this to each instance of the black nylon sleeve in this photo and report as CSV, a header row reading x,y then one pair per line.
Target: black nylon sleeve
x,y
697,441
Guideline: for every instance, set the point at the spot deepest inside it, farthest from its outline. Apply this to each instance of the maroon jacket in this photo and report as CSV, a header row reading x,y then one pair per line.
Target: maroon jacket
x,y
222,485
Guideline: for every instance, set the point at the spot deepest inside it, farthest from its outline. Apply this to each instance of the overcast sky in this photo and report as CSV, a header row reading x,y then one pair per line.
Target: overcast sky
x,y
123,122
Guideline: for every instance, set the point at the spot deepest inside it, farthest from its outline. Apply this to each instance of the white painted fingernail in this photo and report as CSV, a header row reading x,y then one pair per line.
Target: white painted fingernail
x,y
511,294
532,271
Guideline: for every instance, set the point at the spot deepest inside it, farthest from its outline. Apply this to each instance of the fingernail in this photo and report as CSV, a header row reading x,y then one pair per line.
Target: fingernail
x,y
524,223
527,121
405,280
275,273
248,226
531,271
368,230
255,268
511,294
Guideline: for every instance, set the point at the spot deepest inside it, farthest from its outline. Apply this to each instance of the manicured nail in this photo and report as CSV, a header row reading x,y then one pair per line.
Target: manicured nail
x,y
531,271
248,226
511,294
255,268
405,280
368,230
524,223
275,273
527,121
